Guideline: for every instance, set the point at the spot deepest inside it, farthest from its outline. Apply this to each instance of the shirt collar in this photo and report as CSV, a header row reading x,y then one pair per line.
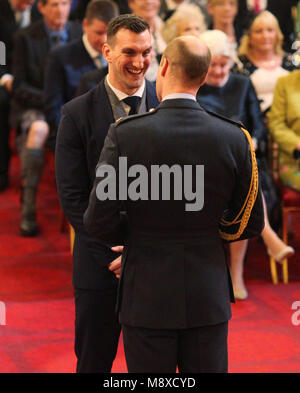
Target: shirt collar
x,y
175,96
121,95
63,33
90,50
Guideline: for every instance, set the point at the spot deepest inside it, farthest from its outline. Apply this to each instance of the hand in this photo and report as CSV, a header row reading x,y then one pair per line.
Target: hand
x,y
116,265
254,143
8,85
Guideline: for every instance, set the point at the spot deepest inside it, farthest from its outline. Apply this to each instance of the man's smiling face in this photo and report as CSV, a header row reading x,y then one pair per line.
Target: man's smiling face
x,y
128,57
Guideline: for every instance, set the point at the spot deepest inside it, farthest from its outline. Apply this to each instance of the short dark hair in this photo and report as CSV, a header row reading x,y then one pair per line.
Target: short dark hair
x,y
104,10
126,21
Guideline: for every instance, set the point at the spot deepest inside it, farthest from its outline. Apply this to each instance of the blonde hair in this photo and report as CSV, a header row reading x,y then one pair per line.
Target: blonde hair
x,y
183,13
218,43
245,46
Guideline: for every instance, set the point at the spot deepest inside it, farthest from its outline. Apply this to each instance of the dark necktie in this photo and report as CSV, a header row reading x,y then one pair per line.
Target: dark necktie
x,y
133,102
55,39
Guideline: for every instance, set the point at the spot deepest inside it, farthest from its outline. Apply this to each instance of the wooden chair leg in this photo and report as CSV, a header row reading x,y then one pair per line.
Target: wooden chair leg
x,y
273,271
285,216
72,238
285,274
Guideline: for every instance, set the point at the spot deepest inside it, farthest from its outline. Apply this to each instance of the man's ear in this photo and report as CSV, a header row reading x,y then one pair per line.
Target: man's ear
x,y
164,66
40,7
106,52
204,80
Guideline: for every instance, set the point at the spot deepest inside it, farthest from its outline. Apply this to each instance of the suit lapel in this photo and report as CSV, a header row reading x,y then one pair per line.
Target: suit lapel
x,y
101,115
42,43
84,55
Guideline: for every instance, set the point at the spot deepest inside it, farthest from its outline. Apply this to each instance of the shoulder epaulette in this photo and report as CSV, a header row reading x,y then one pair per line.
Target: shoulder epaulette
x,y
122,120
236,123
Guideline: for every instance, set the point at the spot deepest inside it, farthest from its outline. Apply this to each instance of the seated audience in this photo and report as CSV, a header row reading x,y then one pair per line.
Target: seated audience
x,y
78,13
282,10
284,125
186,20
233,96
15,14
263,57
66,64
31,47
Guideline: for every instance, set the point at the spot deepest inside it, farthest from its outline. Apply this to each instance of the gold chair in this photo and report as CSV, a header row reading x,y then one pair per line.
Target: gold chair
x,y
290,202
72,238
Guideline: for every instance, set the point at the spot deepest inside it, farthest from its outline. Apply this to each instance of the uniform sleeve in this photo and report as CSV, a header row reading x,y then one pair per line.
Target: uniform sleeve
x,y
244,216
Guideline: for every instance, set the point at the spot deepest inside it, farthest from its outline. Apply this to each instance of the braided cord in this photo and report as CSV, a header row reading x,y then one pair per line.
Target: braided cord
x,y
245,211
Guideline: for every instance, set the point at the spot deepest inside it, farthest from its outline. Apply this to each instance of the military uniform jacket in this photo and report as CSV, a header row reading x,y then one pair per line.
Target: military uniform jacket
x,y
174,273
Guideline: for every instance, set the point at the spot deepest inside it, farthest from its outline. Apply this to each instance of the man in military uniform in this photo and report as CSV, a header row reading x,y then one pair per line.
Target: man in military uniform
x,y
175,288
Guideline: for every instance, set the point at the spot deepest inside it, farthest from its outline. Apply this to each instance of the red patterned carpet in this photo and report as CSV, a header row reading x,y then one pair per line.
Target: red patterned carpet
x,y
36,290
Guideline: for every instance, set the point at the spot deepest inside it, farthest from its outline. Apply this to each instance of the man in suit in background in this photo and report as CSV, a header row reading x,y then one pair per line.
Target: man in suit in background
x,y
175,287
66,64
31,47
15,14
81,133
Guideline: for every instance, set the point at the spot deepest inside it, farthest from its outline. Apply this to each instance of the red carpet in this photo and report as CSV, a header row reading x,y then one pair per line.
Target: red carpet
x,y
35,287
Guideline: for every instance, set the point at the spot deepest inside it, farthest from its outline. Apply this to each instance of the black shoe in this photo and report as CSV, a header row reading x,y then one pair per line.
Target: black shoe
x,y
29,227
3,182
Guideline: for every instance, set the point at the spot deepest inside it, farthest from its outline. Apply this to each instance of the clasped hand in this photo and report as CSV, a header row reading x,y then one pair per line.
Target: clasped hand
x,y
116,265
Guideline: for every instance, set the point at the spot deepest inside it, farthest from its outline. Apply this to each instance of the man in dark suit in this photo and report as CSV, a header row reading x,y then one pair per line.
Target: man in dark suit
x,y
14,14
66,64
175,288
31,47
81,133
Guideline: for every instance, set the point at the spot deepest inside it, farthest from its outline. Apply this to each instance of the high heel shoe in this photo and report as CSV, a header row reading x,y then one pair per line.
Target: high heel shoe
x,y
286,252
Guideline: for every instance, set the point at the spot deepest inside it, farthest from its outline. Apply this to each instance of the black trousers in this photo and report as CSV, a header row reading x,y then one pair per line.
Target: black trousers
x,y
97,330
196,350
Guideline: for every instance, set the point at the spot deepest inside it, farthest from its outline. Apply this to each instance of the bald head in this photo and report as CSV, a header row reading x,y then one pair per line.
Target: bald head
x,y
189,59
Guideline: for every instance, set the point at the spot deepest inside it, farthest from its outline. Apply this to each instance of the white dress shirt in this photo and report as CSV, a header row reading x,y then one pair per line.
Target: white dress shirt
x,y
93,53
175,96
121,95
